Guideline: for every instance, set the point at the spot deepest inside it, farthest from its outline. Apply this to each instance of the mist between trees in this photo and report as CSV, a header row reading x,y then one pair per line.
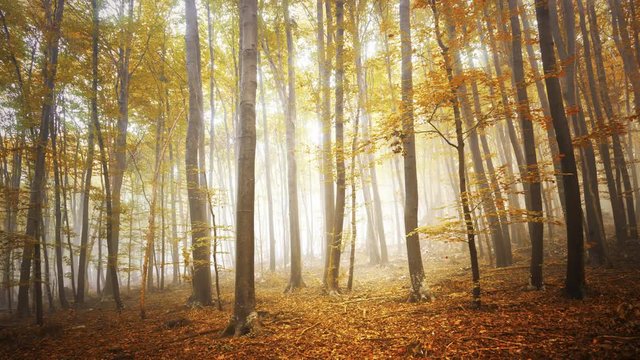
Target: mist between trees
x,y
154,145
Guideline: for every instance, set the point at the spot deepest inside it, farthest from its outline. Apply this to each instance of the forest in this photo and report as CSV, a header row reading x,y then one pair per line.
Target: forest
x,y
319,179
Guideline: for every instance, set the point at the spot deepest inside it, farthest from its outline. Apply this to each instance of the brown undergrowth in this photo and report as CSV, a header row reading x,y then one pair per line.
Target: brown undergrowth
x,y
373,321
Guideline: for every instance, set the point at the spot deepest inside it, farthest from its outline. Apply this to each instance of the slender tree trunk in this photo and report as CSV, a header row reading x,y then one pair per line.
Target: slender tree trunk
x,y
84,235
534,210
244,318
45,253
567,52
370,238
53,18
112,251
338,219
625,48
354,227
66,210
384,16
599,93
12,194
550,132
324,69
464,194
120,152
267,164
130,245
370,166
492,181
488,204
58,218
212,102
575,282
515,144
414,256
175,251
196,190
295,279
99,265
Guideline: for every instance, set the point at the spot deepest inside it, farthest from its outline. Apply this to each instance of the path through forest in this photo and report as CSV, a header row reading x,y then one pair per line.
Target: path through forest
x,y
372,321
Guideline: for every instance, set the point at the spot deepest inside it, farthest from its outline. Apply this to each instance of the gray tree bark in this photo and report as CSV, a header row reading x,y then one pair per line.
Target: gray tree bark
x,y
574,282
414,256
200,240
244,317
295,279
338,219
534,205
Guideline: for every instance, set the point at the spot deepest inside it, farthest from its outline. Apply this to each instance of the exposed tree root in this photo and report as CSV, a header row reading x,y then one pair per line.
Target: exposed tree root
x,y
239,327
292,287
422,295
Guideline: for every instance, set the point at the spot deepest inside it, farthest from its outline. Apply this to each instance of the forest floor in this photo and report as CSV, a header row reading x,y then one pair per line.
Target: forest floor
x,y
372,321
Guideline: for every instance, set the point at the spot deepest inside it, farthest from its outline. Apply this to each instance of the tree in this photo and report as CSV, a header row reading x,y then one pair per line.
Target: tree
x,y
373,206
459,146
414,256
567,53
324,69
200,241
338,219
58,217
499,237
111,246
245,318
122,125
295,279
534,205
600,94
574,282
53,20
84,235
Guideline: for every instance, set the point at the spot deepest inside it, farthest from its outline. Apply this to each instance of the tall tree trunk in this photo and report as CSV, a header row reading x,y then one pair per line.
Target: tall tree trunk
x,y
491,179
212,102
574,283
464,194
567,53
414,256
534,205
625,48
58,218
175,251
517,150
84,234
370,238
12,180
267,164
66,209
295,279
383,13
197,202
110,223
488,204
354,227
370,166
120,151
12,194
599,93
53,19
338,219
324,67
47,273
244,317
550,132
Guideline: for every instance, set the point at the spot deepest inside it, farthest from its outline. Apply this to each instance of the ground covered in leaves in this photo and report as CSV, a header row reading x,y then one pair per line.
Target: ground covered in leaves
x,y
372,321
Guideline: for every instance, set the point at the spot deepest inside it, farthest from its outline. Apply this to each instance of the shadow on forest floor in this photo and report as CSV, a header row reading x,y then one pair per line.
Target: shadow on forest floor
x,y
372,321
